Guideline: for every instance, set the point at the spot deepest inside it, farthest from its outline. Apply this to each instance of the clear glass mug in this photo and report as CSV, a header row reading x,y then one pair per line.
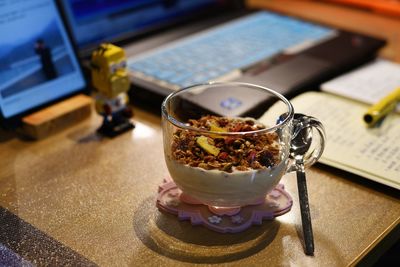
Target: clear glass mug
x,y
235,161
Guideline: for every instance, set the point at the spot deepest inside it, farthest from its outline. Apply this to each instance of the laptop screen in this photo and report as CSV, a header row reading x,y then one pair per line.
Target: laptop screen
x,y
37,61
95,21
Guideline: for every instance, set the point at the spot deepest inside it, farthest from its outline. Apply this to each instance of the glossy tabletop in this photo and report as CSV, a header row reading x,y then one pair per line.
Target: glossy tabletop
x,y
84,199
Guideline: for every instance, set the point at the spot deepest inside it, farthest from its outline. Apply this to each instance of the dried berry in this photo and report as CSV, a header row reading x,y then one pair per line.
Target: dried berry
x,y
236,144
251,156
265,158
223,155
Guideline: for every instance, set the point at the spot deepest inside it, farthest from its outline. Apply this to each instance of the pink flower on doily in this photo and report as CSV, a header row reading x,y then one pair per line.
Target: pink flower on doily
x,y
173,194
214,219
173,202
273,204
274,194
237,219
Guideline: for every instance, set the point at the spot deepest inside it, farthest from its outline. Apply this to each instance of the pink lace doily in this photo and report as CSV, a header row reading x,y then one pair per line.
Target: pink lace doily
x,y
277,202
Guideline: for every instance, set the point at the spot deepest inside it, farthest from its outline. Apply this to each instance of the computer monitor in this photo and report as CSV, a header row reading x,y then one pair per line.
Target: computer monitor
x,y
38,63
93,22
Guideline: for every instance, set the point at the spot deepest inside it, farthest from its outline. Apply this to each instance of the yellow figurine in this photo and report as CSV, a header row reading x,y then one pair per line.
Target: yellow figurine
x,y
110,79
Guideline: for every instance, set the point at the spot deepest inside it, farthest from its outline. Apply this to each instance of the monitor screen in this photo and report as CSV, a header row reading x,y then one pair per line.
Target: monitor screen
x,y
120,19
37,61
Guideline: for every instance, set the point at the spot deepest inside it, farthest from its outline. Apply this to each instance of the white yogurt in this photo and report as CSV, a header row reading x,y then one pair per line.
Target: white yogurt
x,y
223,189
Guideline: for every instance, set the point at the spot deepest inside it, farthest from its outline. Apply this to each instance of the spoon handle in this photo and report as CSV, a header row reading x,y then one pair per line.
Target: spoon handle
x,y
305,213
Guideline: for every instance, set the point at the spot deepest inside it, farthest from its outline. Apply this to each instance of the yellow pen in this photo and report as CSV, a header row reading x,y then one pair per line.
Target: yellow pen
x,y
378,111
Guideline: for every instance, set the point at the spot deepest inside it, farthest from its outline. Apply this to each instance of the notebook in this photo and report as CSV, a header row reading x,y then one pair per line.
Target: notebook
x,y
172,47
38,64
368,83
350,146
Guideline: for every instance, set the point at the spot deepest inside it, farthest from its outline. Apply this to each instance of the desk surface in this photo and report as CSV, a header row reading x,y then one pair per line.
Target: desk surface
x,y
77,199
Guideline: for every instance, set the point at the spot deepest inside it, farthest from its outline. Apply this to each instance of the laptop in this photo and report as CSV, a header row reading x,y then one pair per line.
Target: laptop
x,y
38,63
174,44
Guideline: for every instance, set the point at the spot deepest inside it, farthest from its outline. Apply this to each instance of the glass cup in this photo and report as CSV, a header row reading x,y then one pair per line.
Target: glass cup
x,y
228,161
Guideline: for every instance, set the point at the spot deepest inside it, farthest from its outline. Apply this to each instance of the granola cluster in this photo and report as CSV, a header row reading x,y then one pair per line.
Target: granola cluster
x,y
225,153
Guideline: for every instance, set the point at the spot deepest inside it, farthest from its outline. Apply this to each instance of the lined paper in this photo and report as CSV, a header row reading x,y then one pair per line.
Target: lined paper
x,y
371,153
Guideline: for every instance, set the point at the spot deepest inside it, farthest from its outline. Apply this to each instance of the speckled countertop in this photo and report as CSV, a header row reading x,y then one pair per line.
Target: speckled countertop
x,y
78,199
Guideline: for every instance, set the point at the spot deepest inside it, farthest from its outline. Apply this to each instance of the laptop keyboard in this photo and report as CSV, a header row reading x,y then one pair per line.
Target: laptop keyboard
x,y
215,53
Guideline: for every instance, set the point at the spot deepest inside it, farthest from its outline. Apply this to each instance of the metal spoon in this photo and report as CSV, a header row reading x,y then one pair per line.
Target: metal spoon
x,y
299,146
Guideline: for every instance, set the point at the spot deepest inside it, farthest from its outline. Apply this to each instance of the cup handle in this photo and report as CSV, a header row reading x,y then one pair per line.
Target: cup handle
x,y
307,143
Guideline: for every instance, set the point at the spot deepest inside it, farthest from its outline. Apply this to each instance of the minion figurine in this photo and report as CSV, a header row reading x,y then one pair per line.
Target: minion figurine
x,y
110,78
